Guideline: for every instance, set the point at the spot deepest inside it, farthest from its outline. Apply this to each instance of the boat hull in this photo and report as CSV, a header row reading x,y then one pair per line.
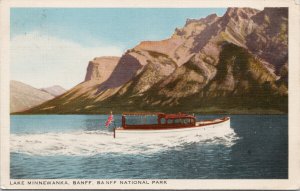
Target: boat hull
x,y
208,128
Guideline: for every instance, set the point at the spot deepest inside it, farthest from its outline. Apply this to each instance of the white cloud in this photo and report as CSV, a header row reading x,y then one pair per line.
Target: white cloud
x,y
40,60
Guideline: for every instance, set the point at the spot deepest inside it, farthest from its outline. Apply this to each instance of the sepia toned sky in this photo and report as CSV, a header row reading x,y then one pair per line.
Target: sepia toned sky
x,y
53,46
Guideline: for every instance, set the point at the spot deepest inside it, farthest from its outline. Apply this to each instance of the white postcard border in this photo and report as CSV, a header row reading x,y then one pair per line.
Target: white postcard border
x,y
294,96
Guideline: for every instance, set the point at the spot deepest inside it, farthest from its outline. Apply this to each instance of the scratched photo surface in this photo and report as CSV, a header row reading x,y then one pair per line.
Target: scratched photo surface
x,y
79,77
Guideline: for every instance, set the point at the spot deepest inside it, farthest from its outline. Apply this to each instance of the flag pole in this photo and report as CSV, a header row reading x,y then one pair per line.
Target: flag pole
x,y
113,119
114,126
114,133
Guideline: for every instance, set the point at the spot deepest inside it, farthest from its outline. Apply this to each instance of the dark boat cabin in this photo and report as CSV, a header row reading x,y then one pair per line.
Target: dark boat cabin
x,y
159,121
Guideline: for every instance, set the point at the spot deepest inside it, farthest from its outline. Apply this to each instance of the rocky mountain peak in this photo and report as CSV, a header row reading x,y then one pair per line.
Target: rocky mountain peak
x,y
207,20
240,13
269,40
276,11
100,68
195,26
271,16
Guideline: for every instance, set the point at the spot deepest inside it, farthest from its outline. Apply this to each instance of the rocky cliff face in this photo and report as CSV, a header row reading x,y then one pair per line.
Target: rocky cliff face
x,y
237,60
101,68
124,71
269,39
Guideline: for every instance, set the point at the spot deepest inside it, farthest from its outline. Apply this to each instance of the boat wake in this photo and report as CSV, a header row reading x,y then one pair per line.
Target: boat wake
x,y
87,143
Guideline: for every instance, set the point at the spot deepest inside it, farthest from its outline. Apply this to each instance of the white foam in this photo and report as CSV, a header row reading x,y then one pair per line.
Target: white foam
x,y
86,143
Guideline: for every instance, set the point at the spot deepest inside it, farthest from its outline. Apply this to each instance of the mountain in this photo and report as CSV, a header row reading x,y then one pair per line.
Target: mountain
x,y
98,71
55,90
101,68
236,63
23,96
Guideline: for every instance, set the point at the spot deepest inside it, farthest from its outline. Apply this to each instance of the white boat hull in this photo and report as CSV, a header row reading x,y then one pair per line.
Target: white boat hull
x,y
217,128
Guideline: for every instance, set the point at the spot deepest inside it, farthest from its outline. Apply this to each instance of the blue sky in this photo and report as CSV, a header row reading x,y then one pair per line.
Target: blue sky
x,y
60,42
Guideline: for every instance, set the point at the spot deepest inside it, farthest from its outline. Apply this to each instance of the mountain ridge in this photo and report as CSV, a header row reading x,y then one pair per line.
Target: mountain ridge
x,y
55,90
240,58
24,96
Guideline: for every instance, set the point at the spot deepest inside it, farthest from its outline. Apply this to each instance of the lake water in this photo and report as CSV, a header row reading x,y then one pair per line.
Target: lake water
x,y
79,146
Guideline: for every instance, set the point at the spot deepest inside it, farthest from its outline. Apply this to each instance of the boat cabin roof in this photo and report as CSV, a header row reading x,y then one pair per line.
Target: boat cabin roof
x,y
161,115
141,114
175,116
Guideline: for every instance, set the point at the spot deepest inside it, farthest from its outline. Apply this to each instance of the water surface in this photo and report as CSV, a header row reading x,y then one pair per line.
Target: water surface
x,y
79,146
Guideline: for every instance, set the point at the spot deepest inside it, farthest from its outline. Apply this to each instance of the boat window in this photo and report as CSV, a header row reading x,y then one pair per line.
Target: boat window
x,y
187,121
137,120
162,121
178,121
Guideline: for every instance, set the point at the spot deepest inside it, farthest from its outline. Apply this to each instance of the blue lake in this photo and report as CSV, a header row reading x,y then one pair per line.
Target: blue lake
x,y
79,146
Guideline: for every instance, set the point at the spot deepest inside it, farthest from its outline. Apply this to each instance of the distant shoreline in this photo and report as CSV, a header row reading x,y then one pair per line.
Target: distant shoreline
x,y
251,112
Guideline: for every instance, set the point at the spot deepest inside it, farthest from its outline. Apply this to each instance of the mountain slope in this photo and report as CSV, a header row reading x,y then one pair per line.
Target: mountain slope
x,y
98,71
54,90
233,61
23,96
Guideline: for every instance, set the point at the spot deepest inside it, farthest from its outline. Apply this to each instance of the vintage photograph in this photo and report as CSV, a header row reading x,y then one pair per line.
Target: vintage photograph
x,y
136,94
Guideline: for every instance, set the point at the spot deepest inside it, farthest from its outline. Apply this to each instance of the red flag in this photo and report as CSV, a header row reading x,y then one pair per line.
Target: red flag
x,y
109,120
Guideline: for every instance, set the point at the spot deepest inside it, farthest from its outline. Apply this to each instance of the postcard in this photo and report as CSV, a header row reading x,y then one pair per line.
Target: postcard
x,y
128,94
